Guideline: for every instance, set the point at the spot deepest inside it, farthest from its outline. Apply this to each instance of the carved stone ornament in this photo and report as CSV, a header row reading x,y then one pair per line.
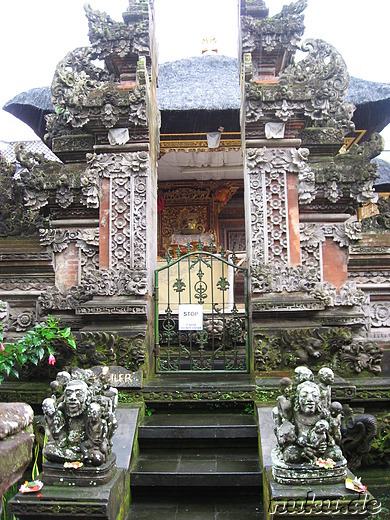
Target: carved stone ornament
x,y
358,431
307,428
350,174
111,37
128,176
349,294
282,30
80,418
267,169
314,347
110,282
20,195
379,223
277,277
59,239
107,348
54,299
314,87
83,91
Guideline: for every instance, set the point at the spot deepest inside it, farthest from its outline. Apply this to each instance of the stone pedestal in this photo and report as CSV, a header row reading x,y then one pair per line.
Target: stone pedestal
x,y
87,476
16,442
314,501
108,501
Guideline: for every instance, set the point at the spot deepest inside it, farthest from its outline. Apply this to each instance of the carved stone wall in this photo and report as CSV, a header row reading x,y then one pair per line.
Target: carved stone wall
x,y
266,169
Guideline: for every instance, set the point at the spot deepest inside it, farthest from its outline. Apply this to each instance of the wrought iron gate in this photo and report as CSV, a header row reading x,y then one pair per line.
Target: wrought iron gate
x,y
215,285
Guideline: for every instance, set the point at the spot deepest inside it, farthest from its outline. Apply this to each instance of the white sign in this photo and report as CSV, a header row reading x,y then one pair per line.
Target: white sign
x,y
191,316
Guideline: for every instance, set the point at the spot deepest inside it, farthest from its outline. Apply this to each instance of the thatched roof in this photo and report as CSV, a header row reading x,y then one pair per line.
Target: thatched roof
x,y
201,83
211,83
31,108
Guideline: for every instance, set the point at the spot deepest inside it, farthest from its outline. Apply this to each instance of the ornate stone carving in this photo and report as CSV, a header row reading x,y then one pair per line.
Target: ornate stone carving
x,y
59,239
118,282
107,348
358,432
128,173
321,80
80,418
111,37
21,321
350,174
277,277
15,218
381,221
307,428
314,87
282,30
349,294
83,91
315,346
53,299
357,357
267,169
380,314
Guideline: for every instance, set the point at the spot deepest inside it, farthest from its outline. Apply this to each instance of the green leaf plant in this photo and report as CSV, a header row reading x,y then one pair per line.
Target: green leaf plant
x,y
35,346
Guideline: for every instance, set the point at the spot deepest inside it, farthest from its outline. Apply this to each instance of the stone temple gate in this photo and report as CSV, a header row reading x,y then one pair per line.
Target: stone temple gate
x,y
262,164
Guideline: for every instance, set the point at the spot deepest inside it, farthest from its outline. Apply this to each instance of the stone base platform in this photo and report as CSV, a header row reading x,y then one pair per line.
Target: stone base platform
x,y
285,473
109,501
87,476
315,501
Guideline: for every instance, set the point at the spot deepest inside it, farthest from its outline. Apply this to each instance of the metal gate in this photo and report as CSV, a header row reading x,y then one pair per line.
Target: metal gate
x,y
213,287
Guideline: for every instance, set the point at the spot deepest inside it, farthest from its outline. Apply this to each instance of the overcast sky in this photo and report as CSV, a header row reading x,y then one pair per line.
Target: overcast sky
x,y
36,34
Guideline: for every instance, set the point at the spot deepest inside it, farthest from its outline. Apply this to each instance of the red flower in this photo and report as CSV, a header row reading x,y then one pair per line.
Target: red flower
x,y
52,360
2,347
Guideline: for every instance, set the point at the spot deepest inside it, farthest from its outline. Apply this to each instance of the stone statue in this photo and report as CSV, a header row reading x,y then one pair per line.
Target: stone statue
x,y
307,428
80,418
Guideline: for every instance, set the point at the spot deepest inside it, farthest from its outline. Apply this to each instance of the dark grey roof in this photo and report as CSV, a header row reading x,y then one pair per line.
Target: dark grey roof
x,y
31,108
208,82
384,172
361,91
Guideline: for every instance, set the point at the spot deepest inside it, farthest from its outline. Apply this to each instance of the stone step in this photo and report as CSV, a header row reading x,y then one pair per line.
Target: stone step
x,y
228,467
202,504
198,426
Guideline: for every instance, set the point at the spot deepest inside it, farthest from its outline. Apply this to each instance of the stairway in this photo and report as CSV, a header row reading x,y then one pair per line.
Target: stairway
x,y
197,466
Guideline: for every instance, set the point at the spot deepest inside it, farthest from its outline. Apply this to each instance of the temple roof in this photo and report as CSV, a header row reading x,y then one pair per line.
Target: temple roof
x,y
201,83
210,83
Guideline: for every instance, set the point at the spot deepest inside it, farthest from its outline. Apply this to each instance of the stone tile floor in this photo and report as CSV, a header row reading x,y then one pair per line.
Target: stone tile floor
x,y
197,506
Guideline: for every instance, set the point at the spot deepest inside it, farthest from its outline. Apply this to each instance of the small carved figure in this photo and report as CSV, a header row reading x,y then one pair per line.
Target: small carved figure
x,y
316,443
54,420
95,446
283,410
59,384
302,374
326,377
336,409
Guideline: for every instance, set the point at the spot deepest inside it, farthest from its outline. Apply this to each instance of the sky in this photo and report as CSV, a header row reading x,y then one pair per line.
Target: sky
x,y
36,34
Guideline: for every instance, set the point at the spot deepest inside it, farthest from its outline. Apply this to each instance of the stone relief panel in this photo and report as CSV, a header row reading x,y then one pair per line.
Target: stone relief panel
x,y
127,173
312,235
315,346
267,169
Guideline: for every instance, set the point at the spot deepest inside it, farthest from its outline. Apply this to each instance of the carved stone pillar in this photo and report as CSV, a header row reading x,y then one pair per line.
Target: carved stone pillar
x,y
271,177
127,214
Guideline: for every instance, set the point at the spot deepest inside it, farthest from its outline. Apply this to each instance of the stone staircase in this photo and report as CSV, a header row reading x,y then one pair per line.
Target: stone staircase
x,y
197,465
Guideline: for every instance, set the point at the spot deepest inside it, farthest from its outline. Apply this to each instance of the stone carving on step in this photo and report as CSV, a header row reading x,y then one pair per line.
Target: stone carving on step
x,y
80,418
307,451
